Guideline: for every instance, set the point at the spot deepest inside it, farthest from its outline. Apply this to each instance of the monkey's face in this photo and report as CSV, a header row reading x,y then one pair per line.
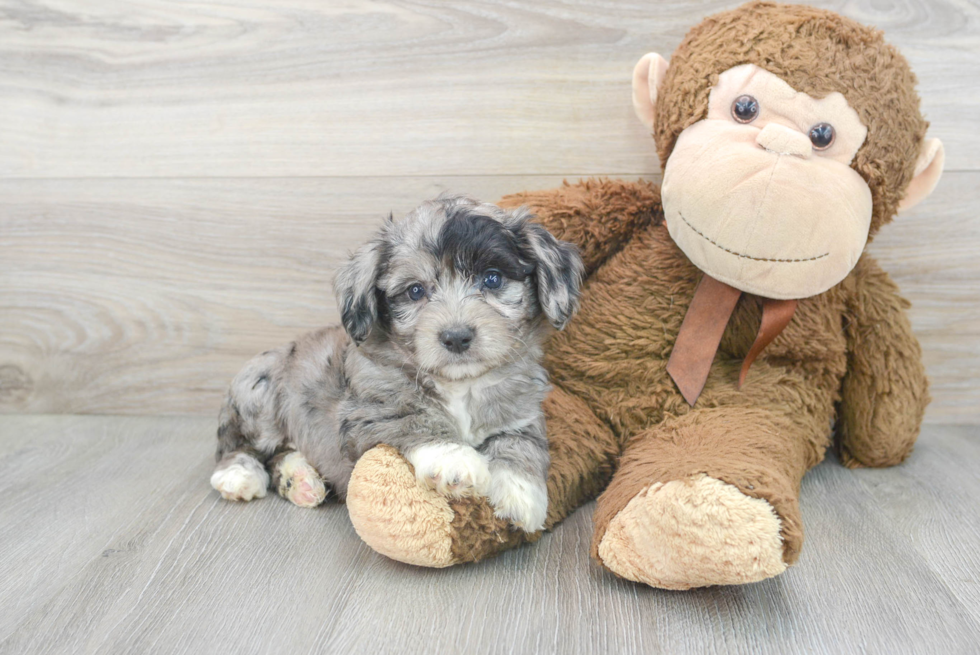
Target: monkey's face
x,y
760,194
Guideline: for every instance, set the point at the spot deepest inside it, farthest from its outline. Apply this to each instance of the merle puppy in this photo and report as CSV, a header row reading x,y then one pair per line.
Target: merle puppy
x,y
444,313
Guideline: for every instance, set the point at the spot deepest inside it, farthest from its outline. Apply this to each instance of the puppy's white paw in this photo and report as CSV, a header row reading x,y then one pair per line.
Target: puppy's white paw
x,y
243,479
519,498
299,482
451,469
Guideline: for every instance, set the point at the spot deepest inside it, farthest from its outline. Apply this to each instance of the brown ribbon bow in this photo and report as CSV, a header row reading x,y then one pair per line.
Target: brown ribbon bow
x,y
703,326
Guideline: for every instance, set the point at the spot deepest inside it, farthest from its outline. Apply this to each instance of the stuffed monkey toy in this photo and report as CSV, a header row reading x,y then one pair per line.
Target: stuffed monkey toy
x,y
732,326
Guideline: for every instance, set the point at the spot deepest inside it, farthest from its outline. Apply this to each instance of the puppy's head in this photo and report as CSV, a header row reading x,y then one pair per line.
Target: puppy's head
x,y
459,286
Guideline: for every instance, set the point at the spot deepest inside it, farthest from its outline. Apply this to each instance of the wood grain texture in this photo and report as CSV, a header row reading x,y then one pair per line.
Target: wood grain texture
x,y
178,182
253,88
147,296
131,284
120,546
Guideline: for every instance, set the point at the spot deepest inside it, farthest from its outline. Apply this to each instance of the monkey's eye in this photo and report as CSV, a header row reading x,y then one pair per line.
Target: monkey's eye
x,y
492,279
416,291
822,136
745,109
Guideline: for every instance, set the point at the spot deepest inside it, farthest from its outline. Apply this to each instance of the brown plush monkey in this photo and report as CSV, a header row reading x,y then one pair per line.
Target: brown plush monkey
x,y
789,136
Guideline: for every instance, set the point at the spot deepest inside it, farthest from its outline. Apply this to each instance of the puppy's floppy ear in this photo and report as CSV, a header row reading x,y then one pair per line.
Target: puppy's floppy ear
x,y
558,270
355,288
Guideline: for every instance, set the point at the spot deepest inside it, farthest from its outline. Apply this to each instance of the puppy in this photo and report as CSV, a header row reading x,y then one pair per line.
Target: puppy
x,y
444,314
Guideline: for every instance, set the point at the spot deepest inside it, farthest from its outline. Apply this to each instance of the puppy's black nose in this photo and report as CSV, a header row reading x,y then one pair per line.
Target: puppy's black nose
x,y
457,339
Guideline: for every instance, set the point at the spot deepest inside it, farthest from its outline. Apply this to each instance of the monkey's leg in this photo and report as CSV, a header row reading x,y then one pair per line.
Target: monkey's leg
x,y
410,523
707,498
885,391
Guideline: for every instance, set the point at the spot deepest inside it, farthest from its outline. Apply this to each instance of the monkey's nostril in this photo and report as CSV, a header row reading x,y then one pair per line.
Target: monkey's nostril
x,y
457,339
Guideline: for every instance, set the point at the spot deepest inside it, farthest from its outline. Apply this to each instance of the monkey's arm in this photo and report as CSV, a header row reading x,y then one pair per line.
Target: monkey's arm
x,y
597,215
885,390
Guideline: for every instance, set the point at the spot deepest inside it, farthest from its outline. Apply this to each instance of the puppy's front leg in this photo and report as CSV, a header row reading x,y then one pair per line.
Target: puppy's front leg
x,y
519,477
452,469
426,440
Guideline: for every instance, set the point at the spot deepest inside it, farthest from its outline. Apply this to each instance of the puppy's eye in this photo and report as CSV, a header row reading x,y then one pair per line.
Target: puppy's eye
x,y
745,109
492,279
822,136
416,291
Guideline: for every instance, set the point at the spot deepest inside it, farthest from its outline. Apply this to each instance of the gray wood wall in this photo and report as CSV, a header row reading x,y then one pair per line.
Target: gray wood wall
x,y
178,181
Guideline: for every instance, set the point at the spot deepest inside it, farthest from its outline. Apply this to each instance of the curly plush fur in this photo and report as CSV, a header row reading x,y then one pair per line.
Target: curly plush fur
x,y
709,494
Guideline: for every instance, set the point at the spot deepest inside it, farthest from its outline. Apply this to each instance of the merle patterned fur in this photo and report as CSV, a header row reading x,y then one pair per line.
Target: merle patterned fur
x,y
452,378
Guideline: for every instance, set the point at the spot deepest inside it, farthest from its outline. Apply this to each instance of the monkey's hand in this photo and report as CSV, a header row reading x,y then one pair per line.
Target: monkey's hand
x,y
597,215
885,390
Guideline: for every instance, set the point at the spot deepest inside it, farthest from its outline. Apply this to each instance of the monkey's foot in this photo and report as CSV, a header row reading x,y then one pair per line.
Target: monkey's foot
x,y
299,482
693,533
408,521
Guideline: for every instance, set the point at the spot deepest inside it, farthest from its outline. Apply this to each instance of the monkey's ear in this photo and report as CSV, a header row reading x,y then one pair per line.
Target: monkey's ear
x,y
648,73
354,287
928,170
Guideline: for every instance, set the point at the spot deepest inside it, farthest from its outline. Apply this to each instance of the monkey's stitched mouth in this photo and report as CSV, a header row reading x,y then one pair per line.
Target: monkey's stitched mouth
x,y
738,254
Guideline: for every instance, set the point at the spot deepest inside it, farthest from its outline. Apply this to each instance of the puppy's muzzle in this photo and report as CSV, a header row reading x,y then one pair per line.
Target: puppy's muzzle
x,y
457,339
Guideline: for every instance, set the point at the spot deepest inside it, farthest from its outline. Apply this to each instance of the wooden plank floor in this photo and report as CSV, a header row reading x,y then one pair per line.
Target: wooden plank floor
x,y
178,182
114,542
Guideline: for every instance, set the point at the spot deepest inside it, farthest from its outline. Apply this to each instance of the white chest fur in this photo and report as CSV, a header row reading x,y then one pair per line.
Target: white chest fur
x,y
459,399
476,407
464,401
